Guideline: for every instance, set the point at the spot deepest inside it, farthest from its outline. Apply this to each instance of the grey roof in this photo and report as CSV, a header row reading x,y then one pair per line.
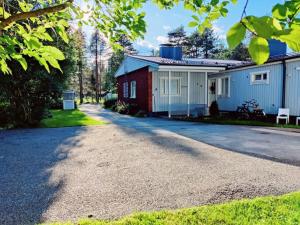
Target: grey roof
x,y
189,61
277,58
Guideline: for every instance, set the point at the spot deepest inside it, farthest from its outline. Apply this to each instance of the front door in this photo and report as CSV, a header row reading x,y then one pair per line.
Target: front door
x,y
212,88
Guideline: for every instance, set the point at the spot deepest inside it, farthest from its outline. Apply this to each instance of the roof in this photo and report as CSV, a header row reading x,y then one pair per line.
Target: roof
x,y
277,58
189,61
135,62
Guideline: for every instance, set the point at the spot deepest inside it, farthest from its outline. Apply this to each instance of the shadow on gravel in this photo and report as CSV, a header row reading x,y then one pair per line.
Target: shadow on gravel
x,y
27,157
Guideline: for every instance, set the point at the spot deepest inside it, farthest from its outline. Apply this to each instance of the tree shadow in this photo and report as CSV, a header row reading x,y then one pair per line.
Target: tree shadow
x,y
27,157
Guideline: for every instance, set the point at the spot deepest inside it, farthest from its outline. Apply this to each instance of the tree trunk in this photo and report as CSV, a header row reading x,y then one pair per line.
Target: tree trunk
x,y
80,79
97,73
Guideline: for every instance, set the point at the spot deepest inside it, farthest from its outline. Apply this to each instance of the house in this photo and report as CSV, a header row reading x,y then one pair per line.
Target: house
x,y
174,85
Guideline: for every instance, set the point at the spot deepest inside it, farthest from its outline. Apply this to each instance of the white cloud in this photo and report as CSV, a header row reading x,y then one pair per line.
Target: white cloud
x,y
166,27
219,31
145,43
162,39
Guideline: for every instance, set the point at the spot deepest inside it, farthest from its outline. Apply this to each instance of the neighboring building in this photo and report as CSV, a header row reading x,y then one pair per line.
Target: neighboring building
x,y
195,83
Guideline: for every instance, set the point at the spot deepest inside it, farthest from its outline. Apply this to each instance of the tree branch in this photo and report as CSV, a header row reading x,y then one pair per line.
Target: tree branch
x,y
36,13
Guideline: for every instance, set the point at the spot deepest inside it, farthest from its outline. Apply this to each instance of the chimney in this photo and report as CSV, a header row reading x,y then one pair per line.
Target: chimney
x,y
277,48
169,51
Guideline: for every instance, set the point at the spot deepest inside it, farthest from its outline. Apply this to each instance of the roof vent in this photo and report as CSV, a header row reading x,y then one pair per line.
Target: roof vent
x,y
170,51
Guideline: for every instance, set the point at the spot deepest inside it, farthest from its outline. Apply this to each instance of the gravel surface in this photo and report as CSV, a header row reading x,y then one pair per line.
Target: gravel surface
x,y
110,171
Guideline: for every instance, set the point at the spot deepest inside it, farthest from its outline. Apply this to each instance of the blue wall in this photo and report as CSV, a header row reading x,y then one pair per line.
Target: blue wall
x,y
269,96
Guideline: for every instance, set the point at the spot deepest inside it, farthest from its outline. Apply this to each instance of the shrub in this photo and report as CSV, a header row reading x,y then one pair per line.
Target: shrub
x,y
108,104
121,107
214,109
141,113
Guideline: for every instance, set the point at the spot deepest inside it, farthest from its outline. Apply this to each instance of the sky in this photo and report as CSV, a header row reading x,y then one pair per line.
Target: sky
x,y
159,22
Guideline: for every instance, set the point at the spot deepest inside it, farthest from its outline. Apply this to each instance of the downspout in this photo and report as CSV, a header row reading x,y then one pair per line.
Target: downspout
x,y
284,75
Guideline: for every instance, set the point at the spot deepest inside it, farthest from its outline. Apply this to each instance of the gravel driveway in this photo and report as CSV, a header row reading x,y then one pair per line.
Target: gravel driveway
x,y
112,170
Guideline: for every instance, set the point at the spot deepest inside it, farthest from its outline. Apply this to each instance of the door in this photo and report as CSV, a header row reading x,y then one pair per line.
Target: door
x,y
212,89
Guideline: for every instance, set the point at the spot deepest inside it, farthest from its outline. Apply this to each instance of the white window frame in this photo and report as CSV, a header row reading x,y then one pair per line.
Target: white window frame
x,y
220,92
165,90
253,81
125,89
133,89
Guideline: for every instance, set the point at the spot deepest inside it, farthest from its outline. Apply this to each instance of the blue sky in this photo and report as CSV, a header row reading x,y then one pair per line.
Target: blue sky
x,y
159,22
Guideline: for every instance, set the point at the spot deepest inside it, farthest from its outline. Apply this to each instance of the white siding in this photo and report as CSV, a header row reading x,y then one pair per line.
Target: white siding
x,y
179,103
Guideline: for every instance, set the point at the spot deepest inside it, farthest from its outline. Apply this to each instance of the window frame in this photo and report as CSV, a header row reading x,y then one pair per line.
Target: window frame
x,y
165,91
253,75
133,94
220,92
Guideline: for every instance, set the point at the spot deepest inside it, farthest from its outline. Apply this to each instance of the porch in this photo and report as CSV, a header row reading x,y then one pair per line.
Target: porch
x,y
181,90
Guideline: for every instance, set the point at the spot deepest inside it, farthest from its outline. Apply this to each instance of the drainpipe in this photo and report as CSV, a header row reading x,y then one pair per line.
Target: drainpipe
x,y
283,83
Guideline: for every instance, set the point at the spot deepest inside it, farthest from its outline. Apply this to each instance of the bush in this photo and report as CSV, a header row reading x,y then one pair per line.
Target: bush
x,y
5,115
121,107
108,104
141,113
214,109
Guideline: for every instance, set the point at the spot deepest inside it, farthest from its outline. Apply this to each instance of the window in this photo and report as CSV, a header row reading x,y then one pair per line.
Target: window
x,y
224,87
133,89
260,77
175,86
125,89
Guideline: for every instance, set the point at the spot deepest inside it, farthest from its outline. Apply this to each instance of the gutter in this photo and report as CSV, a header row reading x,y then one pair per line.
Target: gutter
x,y
284,75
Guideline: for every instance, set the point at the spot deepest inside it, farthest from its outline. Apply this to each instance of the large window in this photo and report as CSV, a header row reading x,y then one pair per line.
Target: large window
x,y
261,77
125,89
133,89
175,86
224,87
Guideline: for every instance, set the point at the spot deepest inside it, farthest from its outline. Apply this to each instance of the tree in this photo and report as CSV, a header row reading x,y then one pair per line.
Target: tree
x,y
97,47
25,96
80,45
240,53
115,60
178,36
33,20
203,45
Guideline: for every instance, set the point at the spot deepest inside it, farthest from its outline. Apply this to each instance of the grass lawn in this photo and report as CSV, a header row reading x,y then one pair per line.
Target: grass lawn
x,y
247,123
264,211
69,118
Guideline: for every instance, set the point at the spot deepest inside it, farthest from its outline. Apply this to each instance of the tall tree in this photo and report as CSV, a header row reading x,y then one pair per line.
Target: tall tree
x,y
177,36
97,47
80,44
240,53
115,60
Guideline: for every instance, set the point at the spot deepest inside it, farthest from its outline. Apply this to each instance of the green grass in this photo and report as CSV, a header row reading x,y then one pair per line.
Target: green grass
x,y
69,118
247,123
282,210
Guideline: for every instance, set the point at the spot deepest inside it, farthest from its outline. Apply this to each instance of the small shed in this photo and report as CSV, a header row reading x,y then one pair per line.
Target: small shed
x,y
69,100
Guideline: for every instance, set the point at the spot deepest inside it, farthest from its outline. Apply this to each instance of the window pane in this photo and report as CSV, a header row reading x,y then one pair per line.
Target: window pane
x,y
175,87
258,77
265,76
226,87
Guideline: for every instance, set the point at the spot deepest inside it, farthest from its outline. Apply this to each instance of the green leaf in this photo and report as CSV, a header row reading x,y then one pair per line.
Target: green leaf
x,y
290,37
54,52
236,35
279,12
193,24
53,62
21,60
259,50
